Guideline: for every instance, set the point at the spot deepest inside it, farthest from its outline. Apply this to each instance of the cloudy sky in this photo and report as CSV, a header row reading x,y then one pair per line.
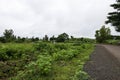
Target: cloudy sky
x,y
78,18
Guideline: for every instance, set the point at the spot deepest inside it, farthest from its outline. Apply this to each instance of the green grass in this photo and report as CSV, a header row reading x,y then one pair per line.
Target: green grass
x,y
44,61
114,42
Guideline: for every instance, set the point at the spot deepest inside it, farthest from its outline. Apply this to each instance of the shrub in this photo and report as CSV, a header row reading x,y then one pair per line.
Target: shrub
x,y
34,70
14,51
61,46
114,42
40,46
77,43
45,47
81,75
65,54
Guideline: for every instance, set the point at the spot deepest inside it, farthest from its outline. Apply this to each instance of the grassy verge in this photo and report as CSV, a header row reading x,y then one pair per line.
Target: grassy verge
x,y
72,69
114,42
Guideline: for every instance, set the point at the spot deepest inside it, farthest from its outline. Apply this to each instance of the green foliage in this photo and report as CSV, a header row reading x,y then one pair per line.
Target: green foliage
x,y
2,39
43,60
46,38
40,46
45,48
102,34
61,46
14,51
35,70
77,43
81,75
114,42
65,54
114,17
8,53
115,37
14,57
42,65
62,37
9,36
52,38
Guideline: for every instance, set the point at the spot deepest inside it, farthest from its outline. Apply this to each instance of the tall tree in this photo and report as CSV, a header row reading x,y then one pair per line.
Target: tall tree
x,y
102,34
9,36
46,38
52,38
114,17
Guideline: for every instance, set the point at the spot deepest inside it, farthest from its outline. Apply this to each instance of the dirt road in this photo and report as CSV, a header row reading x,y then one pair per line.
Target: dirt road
x,y
104,63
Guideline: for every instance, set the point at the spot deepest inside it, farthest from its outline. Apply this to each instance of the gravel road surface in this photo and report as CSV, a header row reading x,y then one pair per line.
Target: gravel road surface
x,y
104,63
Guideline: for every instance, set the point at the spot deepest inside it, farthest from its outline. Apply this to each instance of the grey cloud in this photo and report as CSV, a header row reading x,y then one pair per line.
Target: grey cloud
x,y
52,17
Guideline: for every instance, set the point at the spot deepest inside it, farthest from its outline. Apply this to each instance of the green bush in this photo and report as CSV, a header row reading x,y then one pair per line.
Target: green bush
x,y
77,43
61,46
38,61
114,42
45,48
81,75
65,54
7,53
35,70
10,52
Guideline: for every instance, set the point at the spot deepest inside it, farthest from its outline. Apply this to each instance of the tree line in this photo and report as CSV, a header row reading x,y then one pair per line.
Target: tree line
x,y
8,36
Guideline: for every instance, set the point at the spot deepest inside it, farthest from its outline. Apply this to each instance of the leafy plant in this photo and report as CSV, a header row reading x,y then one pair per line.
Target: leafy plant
x,y
41,67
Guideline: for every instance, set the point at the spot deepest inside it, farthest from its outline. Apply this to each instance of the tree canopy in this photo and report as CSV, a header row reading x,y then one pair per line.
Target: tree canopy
x,y
8,35
114,17
102,34
62,37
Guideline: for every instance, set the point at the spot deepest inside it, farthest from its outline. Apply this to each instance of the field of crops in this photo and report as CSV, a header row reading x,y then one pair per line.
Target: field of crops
x,y
44,61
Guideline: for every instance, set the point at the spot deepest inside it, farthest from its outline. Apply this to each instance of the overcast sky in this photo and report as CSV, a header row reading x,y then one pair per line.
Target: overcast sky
x,y
80,18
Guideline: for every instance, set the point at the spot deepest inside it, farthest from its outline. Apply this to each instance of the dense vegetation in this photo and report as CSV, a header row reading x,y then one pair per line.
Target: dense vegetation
x,y
44,60
54,58
103,34
8,36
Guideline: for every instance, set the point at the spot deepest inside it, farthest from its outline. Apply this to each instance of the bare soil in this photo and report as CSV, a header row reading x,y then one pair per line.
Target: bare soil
x,y
104,63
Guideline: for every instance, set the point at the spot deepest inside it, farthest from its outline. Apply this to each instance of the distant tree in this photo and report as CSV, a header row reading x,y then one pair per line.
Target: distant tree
x,y
72,37
36,39
2,39
46,38
32,39
18,40
82,39
9,36
23,39
114,17
62,37
102,34
52,38
28,40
